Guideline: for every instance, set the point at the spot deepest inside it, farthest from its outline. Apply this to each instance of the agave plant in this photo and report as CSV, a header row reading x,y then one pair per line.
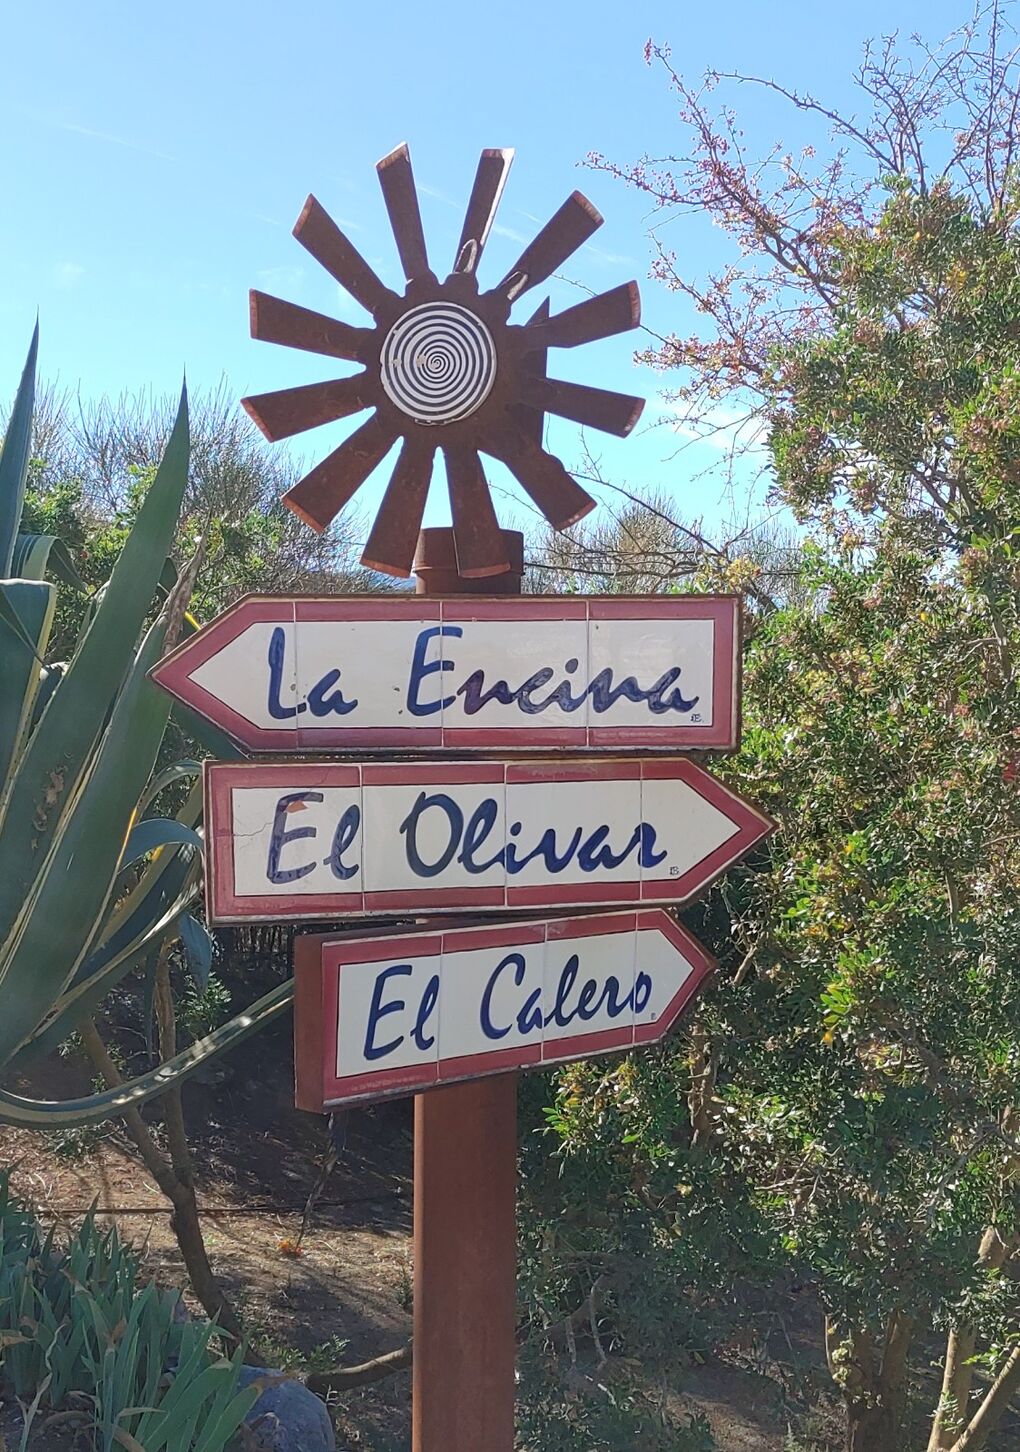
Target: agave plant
x,y
91,886
75,1324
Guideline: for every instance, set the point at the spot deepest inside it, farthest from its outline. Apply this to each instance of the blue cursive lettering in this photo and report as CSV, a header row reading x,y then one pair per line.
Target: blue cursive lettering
x,y
319,702
277,653
516,961
659,698
592,852
590,1001
429,999
379,1010
346,831
280,836
420,669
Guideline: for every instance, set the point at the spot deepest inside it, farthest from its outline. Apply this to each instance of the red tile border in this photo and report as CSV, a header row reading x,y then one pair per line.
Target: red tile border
x,y
750,826
438,773
319,962
175,672
514,607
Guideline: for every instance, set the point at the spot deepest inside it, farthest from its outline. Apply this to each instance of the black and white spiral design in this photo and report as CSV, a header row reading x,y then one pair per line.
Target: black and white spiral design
x,y
438,363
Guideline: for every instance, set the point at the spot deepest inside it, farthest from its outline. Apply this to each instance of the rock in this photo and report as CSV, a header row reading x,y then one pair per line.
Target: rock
x,y
287,1417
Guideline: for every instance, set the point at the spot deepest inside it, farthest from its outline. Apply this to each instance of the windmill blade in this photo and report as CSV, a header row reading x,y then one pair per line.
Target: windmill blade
x,y
557,494
616,311
599,408
561,236
275,321
532,420
477,537
391,543
490,179
319,497
397,181
291,411
320,235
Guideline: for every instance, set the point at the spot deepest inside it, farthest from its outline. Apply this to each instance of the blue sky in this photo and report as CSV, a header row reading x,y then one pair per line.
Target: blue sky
x,y
155,158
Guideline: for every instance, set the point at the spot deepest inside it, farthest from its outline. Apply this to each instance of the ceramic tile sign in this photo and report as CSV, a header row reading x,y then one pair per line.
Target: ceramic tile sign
x,y
364,673
317,840
396,1013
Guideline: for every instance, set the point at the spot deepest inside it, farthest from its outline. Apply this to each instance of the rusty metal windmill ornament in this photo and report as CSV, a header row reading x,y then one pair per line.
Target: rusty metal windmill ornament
x,y
443,368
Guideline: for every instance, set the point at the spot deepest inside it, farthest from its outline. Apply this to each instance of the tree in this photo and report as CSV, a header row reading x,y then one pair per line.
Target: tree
x,y
93,462
859,1063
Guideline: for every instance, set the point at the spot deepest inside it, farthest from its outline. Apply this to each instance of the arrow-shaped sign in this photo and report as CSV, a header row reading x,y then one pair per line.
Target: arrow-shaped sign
x,y
360,673
376,1015
319,840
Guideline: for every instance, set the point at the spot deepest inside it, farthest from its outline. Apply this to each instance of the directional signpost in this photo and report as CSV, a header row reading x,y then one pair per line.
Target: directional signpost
x,y
320,840
397,1013
447,1008
362,673
607,688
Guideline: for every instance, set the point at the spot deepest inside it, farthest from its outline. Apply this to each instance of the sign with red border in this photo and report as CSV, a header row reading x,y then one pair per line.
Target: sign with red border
x,y
396,1013
361,673
320,840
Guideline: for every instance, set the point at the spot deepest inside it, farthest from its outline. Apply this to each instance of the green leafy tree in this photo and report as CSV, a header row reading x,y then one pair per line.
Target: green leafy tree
x,y
858,1065
92,464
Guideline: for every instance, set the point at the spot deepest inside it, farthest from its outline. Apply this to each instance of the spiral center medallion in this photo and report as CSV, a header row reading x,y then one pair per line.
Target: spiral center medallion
x,y
438,363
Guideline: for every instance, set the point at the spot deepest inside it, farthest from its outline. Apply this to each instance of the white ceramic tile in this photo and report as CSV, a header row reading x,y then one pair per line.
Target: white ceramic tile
x,y
489,995
401,991
512,653
567,808
438,828
255,813
666,970
605,962
239,674
687,827
375,659
647,650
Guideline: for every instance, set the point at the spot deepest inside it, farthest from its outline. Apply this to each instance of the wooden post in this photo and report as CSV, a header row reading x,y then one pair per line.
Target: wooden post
x,y
465,1187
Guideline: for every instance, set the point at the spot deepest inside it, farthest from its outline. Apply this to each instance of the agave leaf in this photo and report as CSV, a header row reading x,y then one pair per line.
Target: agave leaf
x,y
10,616
150,972
55,1114
154,832
34,604
160,881
51,766
69,896
198,948
49,675
34,554
85,995
14,457
177,771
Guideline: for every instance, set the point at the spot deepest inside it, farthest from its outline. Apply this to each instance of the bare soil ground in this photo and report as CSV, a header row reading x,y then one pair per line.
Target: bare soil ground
x,y
347,1297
